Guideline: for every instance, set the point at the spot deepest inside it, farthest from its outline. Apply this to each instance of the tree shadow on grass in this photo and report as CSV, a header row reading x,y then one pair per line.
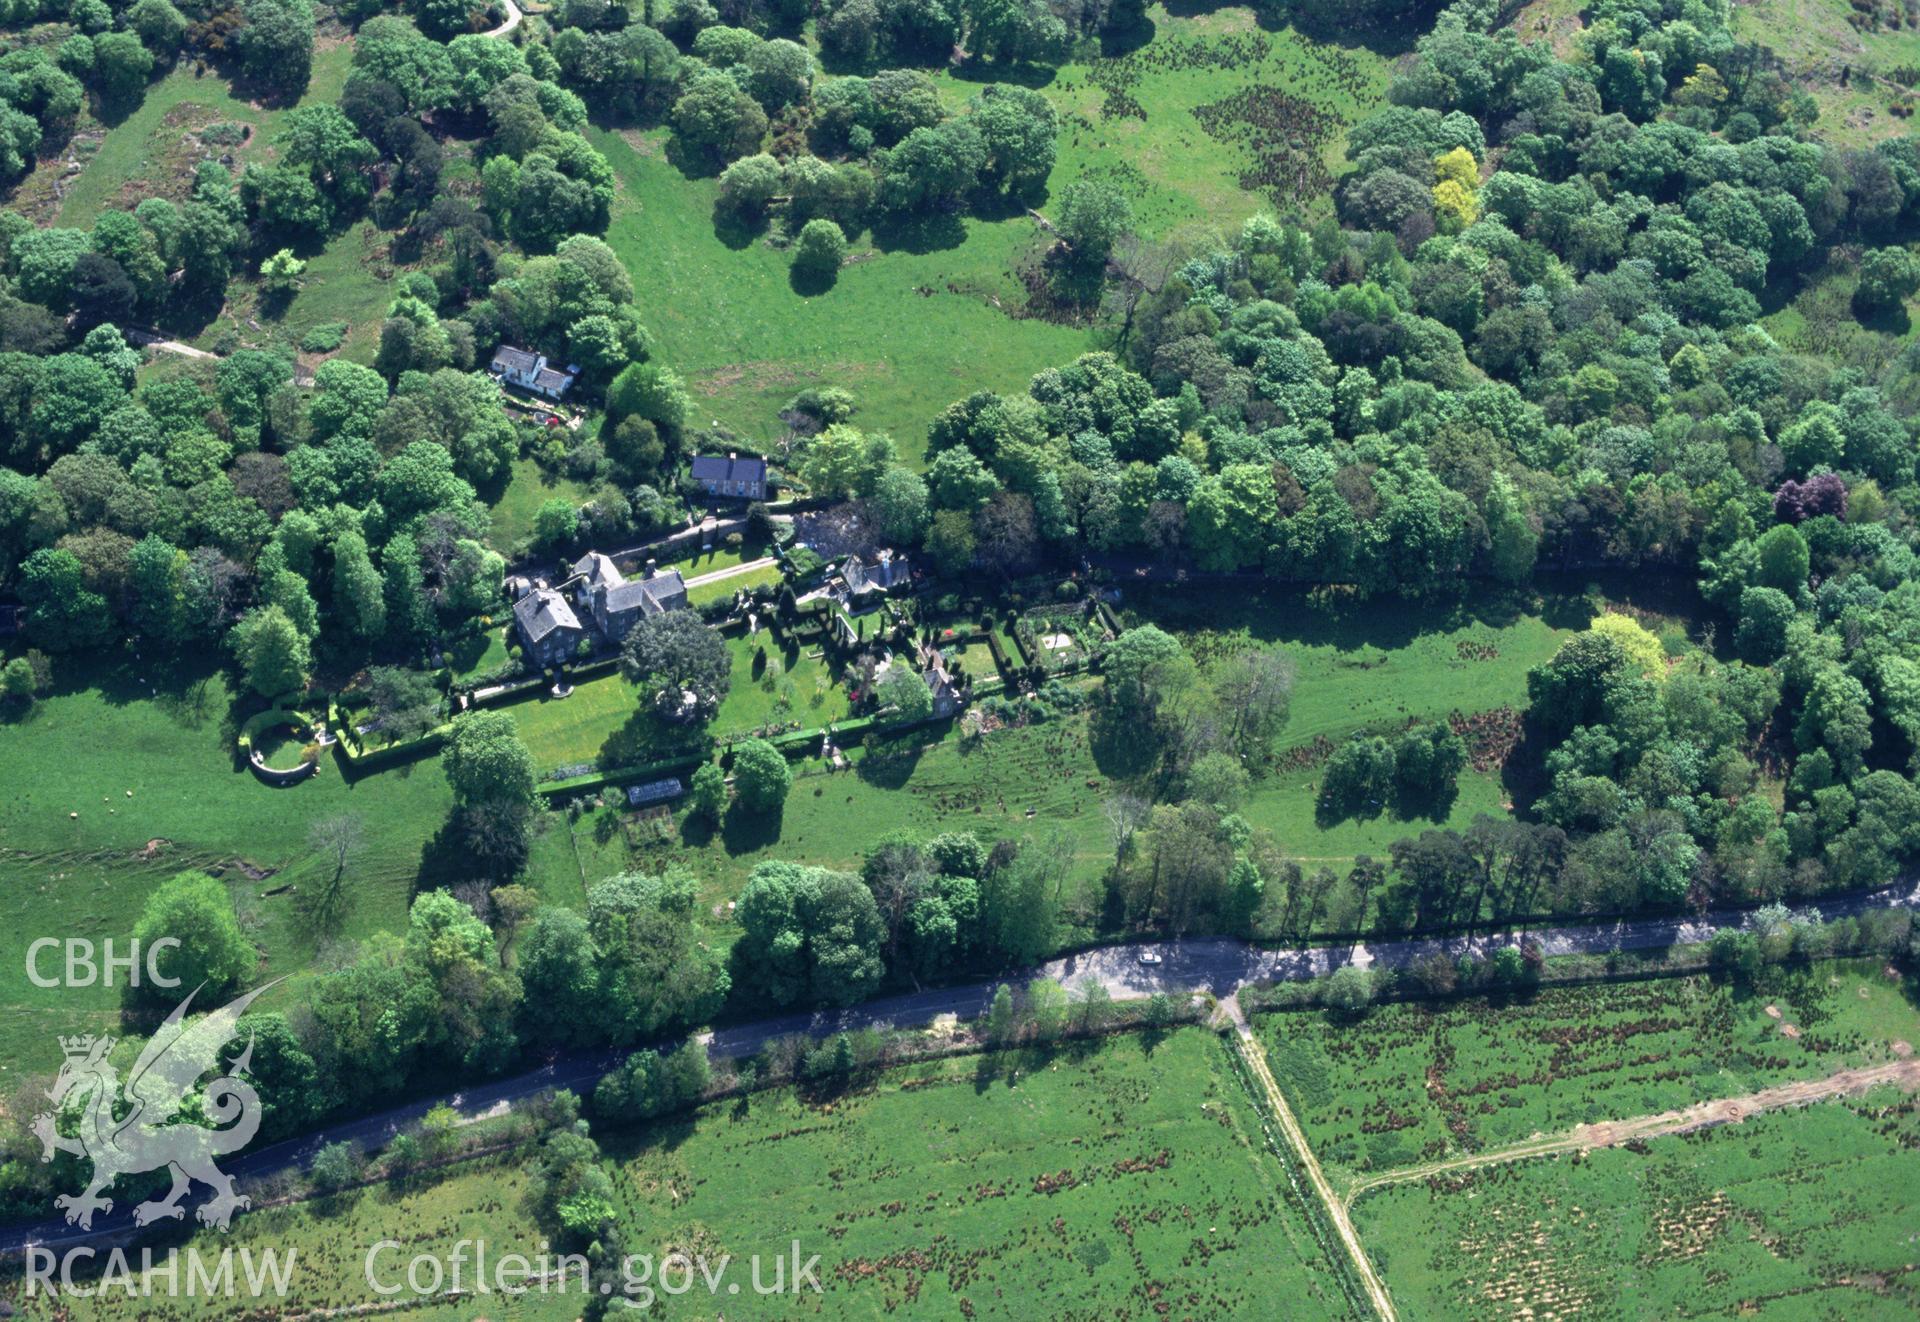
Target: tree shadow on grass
x,y
891,765
691,164
644,737
624,1140
1122,749
734,228
744,832
811,281
697,830
1893,321
1117,42
1034,76
445,860
919,234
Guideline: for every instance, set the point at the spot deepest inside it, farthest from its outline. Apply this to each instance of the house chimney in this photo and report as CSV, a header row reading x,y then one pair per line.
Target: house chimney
x,y
651,565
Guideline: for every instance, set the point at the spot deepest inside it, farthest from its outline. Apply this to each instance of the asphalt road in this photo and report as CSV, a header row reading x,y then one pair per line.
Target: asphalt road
x,y
1218,965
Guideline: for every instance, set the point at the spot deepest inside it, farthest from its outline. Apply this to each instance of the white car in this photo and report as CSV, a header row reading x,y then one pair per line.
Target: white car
x,y
1150,957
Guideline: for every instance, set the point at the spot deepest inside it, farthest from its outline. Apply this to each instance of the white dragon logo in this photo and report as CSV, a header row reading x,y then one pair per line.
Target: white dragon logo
x,y
150,1131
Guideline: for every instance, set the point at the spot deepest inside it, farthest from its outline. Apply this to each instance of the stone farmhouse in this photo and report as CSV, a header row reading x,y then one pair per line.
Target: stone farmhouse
x,y
529,371
596,604
731,477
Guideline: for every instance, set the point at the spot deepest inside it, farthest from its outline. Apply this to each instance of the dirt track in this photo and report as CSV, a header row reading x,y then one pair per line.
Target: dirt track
x,y
1296,1137
1701,1115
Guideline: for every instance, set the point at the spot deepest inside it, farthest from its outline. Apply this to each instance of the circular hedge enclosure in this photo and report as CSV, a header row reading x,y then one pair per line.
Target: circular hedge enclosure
x,y
256,743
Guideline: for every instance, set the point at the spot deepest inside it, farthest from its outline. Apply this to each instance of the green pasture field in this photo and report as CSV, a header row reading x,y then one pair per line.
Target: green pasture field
x,y
1177,172
1093,1182
1817,44
1375,662
917,321
933,1187
78,856
1791,1214
728,320
1412,1083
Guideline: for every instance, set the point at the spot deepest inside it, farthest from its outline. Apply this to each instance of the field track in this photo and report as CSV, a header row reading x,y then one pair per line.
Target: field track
x,y
1903,1073
1336,1208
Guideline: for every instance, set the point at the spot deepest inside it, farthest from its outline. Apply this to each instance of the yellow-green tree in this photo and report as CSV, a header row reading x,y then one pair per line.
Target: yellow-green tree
x,y
1643,651
1456,190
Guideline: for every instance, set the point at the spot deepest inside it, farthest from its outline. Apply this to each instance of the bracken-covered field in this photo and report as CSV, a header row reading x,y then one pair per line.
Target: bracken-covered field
x,y
1412,1083
1793,1214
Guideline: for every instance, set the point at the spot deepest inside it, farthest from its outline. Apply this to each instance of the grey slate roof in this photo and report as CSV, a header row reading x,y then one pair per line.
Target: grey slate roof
x,y
508,359
541,612
882,574
615,594
721,468
597,569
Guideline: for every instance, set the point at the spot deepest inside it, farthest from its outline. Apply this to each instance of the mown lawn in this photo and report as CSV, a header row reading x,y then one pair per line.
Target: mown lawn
x,y
764,576
602,720
478,654
1077,1184
526,489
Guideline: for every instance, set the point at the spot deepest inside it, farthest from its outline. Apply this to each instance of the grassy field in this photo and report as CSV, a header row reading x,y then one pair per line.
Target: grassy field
x,y
78,855
152,152
1377,664
913,327
1818,44
1374,662
1411,1083
1124,1181
1793,1214
1355,669
527,488
730,323
1161,121
831,818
